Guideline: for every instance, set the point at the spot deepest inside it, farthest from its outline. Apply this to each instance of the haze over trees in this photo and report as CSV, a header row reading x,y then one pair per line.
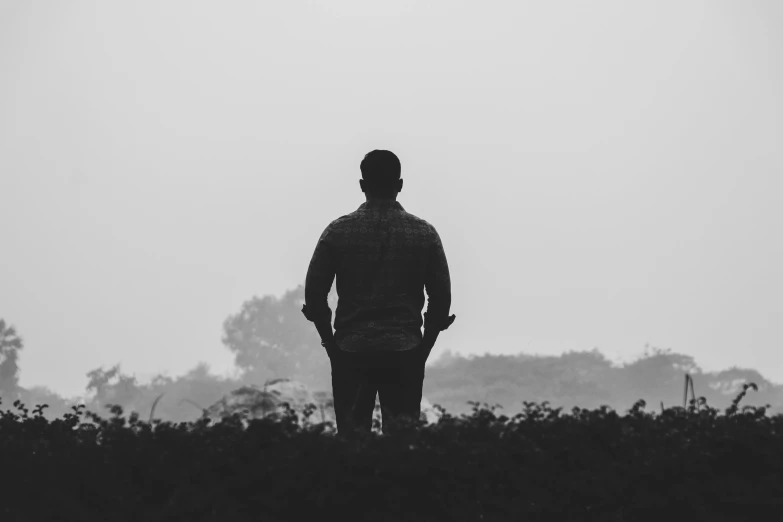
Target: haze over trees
x,y
10,345
270,339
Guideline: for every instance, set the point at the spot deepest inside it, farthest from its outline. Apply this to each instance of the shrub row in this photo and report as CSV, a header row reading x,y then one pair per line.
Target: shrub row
x,y
541,464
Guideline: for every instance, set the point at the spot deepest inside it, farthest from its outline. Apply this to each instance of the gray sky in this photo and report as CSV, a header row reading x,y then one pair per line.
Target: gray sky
x,y
602,174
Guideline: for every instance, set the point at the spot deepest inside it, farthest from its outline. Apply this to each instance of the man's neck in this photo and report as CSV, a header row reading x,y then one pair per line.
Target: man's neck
x,y
380,200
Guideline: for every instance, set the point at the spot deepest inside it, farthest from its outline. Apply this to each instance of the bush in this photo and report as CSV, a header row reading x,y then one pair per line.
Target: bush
x,y
541,464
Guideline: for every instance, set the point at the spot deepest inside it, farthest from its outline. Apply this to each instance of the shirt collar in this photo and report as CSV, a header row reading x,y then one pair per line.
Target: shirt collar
x,y
381,204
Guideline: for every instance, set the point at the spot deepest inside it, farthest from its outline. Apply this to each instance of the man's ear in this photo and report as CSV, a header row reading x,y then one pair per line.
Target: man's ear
x,y
361,185
399,189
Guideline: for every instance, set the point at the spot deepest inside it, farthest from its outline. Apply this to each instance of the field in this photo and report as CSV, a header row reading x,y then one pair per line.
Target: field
x,y
694,463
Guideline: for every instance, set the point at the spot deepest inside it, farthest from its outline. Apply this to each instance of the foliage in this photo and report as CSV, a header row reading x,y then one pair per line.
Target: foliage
x,y
590,465
270,338
542,464
586,380
10,345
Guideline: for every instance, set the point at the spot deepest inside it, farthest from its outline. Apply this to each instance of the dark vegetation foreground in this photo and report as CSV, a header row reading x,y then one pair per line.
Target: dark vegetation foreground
x,y
684,464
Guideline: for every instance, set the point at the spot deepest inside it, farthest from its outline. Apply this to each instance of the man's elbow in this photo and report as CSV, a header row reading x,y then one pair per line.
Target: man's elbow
x,y
307,313
316,310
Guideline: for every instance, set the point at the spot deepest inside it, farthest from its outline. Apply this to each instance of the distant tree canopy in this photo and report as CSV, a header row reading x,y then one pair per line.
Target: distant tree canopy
x,y
658,374
270,337
125,391
10,344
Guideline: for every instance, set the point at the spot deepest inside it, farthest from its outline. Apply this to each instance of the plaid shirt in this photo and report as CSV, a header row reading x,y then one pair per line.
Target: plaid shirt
x,y
383,258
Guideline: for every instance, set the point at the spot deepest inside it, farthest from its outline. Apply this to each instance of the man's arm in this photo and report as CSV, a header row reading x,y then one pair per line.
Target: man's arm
x,y
438,285
320,275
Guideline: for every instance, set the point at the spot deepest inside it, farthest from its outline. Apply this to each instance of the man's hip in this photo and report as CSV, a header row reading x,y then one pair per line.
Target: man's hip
x,y
379,359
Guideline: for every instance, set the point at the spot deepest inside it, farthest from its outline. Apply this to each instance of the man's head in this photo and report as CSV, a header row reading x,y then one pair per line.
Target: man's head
x,y
381,175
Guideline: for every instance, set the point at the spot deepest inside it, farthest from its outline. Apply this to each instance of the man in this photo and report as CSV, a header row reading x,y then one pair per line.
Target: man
x,y
384,258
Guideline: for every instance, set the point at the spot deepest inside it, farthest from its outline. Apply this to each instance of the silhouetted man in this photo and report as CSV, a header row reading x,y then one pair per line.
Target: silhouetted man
x,y
383,258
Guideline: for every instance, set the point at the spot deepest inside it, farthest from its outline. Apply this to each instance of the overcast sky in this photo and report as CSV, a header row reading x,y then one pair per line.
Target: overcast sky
x,y
602,174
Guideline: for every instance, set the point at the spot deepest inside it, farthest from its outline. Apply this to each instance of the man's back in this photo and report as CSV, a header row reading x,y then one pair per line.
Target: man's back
x,y
383,258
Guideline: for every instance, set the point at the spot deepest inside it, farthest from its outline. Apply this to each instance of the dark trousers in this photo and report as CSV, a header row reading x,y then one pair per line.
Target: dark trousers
x,y
398,379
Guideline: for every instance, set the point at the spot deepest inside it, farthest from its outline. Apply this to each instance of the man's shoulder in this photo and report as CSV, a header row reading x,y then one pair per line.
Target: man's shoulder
x,y
418,222
354,218
342,220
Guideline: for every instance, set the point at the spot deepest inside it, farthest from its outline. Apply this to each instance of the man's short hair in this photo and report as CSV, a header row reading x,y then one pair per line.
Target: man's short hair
x,y
380,171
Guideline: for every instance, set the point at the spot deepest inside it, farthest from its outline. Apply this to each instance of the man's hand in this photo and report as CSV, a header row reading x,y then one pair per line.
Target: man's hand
x,y
431,335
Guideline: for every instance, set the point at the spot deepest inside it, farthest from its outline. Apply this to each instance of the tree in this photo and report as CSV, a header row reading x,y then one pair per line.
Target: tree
x,y
657,376
10,344
270,338
124,392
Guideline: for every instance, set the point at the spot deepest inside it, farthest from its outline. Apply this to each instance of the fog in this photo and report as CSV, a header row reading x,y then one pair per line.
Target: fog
x,y
602,175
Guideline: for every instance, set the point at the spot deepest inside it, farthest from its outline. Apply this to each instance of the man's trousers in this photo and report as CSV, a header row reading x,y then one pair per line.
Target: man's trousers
x,y
397,378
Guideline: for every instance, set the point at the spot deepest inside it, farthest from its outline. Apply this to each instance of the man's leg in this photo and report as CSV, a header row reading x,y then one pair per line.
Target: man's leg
x,y
353,390
399,391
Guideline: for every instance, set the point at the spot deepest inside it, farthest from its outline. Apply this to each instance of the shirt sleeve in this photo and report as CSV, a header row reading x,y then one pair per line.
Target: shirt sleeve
x,y
437,282
320,275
